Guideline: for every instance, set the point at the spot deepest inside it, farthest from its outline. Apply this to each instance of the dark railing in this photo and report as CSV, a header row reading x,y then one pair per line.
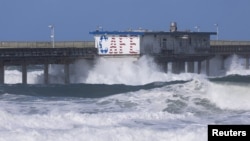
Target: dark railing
x,y
47,52
46,44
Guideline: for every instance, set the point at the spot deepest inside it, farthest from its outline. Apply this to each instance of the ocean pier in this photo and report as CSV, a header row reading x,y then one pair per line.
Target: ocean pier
x,y
23,54
175,51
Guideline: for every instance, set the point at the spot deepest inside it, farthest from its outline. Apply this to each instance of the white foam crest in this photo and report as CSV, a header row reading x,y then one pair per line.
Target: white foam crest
x,y
215,68
144,121
105,71
199,95
230,96
123,71
141,126
147,101
15,76
176,98
233,64
236,65
56,73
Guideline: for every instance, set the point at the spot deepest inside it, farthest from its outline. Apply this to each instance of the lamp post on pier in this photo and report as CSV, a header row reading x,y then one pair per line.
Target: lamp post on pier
x,y
198,28
217,30
99,28
52,34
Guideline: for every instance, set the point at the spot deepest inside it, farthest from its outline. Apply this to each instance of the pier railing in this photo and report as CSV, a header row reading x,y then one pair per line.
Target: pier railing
x,y
46,44
228,43
83,44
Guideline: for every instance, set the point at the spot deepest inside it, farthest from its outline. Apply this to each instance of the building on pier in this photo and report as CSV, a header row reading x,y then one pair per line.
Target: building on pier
x,y
140,42
180,48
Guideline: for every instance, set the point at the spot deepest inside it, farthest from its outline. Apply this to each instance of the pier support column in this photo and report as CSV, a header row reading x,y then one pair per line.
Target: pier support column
x,y
46,73
170,67
186,67
178,67
24,73
199,67
223,62
181,67
207,67
66,73
247,62
190,67
165,67
1,72
175,67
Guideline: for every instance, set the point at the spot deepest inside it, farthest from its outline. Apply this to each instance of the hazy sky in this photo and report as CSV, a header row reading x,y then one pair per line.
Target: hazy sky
x,y
28,20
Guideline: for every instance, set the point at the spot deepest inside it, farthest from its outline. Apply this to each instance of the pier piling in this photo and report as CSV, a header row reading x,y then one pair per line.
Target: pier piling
x,y
190,67
207,66
247,62
223,58
1,72
46,73
199,67
66,73
24,73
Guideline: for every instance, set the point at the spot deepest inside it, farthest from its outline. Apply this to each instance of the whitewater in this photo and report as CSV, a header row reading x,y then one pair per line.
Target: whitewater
x,y
123,100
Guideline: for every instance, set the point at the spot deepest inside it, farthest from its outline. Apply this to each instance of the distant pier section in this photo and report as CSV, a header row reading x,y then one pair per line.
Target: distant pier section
x,y
230,47
42,53
46,44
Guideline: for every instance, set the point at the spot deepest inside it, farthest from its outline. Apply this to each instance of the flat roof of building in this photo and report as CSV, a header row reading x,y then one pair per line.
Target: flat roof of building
x,y
116,33
150,33
180,33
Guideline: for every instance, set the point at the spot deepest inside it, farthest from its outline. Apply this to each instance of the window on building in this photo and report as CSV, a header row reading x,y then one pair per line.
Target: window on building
x,y
190,41
205,42
164,43
180,43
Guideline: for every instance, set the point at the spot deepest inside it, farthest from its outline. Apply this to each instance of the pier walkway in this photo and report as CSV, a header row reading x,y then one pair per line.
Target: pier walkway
x,y
230,47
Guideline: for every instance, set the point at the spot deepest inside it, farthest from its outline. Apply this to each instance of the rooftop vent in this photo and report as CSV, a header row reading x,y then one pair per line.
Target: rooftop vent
x,y
173,27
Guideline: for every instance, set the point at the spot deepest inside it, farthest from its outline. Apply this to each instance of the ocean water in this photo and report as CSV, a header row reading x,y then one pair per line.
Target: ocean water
x,y
122,101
